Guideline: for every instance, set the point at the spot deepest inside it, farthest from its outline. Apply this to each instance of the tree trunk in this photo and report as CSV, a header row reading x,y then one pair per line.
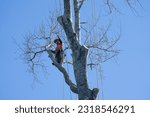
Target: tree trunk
x,y
79,53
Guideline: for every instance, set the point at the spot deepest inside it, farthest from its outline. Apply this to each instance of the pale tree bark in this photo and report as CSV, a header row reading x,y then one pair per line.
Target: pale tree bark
x,y
72,86
79,52
77,18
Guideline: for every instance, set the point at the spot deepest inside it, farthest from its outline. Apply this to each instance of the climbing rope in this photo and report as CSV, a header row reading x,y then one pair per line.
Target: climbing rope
x,y
97,82
101,78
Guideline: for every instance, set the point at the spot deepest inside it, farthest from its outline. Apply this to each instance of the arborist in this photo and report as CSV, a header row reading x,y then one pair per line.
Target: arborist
x,y
59,52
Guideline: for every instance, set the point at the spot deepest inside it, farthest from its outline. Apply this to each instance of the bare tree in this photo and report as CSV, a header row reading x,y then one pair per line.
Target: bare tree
x,y
87,51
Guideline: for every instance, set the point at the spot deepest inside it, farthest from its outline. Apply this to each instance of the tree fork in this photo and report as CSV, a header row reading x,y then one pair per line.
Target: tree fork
x,y
79,54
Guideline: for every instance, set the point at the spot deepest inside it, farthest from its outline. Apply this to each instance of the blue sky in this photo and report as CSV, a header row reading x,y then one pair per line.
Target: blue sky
x,y
126,77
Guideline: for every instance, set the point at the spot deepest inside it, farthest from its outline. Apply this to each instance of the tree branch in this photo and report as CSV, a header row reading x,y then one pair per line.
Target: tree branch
x,y
35,53
81,3
77,18
72,86
71,35
67,8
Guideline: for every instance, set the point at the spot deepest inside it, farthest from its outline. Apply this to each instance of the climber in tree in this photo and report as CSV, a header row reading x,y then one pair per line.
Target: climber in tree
x,y
59,52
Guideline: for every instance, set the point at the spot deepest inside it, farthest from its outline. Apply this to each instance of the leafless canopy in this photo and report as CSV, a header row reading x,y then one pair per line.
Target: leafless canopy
x,y
36,44
100,44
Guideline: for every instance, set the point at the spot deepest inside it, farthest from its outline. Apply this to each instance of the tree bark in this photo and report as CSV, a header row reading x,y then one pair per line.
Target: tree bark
x,y
79,54
72,86
77,19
